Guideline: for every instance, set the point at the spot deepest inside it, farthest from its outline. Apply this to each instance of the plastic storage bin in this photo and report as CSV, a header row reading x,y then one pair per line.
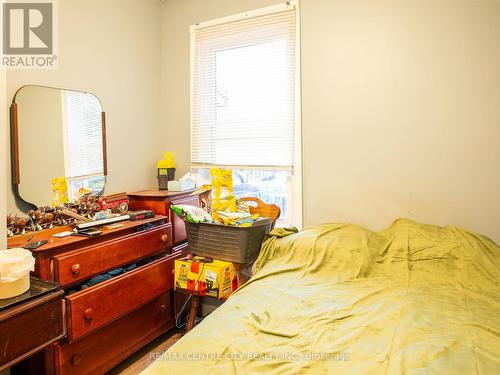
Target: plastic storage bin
x,y
225,242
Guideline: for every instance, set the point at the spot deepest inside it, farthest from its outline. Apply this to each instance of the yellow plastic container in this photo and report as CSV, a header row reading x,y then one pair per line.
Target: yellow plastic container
x,y
166,163
15,288
15,267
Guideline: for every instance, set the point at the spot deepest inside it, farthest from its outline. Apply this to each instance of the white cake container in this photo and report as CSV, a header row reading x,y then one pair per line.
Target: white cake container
x,y
15,267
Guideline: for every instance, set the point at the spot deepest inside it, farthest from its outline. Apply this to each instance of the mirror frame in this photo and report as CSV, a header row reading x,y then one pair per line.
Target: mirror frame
x,y
14,141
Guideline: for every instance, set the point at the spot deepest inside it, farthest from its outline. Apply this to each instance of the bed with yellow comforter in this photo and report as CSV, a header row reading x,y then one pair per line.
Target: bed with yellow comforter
x,y
339,299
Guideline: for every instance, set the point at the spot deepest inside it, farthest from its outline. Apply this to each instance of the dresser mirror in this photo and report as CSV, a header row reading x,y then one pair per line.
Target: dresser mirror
x,y
58,144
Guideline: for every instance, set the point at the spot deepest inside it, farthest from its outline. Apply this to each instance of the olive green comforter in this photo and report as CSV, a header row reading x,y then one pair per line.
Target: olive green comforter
x,y
339,299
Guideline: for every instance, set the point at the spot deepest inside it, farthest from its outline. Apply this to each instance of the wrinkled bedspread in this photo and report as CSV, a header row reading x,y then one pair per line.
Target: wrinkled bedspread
x,y
339,299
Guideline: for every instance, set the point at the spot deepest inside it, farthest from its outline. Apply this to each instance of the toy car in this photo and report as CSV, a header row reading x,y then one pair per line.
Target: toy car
x,y
115,203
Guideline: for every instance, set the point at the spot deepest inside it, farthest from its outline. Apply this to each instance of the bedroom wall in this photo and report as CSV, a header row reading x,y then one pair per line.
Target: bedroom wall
x,y
401,111
401,107
110,48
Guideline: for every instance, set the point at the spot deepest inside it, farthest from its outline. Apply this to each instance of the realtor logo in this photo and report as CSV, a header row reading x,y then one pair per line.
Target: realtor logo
x,y
28,34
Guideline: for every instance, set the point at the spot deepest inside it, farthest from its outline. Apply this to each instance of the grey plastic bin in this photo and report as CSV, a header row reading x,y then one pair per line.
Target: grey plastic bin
x,y
225,242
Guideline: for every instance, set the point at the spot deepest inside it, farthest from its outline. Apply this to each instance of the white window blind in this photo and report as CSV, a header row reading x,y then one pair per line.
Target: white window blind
x,y
243,91
83,135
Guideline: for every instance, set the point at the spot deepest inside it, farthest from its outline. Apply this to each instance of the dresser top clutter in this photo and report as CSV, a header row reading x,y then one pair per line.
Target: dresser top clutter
x,y
54,243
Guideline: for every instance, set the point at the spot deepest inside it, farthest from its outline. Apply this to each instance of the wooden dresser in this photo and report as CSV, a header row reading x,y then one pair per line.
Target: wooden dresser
x,y
109,320
30,322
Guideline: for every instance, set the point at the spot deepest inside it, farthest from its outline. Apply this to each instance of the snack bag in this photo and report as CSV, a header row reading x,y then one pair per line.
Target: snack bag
x,y
60,191
222,191
192,214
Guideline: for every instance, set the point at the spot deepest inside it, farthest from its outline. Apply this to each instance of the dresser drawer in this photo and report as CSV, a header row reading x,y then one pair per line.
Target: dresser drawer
x,y
76,266
100,351
94,307
30,327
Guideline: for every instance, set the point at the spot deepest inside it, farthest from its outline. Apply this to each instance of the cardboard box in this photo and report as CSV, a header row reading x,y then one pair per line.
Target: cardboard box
x,y
205,277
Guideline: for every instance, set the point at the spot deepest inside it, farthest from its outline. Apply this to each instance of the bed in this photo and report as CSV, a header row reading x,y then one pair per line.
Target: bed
x,y
339,299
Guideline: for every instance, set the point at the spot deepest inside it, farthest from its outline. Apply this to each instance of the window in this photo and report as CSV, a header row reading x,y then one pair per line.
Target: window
x,y
83,157
245,104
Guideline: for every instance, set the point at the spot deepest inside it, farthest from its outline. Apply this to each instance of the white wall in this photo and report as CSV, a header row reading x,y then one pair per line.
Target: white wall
x,y
112,49
401,107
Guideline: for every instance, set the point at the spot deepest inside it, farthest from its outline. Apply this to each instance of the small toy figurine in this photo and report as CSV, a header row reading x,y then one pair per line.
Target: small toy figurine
x,y
19,225
34,216
10,227
46,220
41,219
88,205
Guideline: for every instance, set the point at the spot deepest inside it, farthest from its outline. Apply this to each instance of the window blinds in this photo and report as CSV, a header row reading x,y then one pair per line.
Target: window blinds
x,y
83,135
243,91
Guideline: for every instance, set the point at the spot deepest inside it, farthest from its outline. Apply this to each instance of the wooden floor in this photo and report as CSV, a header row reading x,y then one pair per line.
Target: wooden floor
x,y
142,358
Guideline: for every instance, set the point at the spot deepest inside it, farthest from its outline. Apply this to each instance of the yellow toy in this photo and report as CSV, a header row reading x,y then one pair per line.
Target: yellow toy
x,y
222,191
60,191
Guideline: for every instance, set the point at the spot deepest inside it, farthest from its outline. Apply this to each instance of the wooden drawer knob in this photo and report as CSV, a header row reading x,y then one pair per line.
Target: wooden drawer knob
x,y
76,360
164,238
163,309
88,314
75,269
